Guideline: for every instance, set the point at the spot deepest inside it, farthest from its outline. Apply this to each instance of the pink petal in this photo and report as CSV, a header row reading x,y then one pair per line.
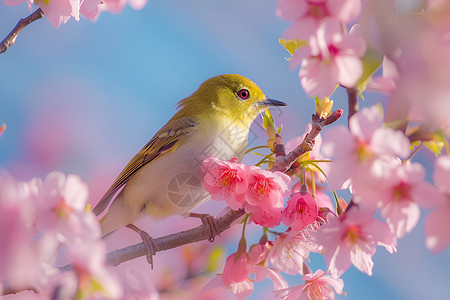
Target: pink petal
x,y
338,261
344,10
364,123
291,10
302,29
350,69
318,78
336,284
387,141
402,216
441,174
437,225
241,290
426,195
361,257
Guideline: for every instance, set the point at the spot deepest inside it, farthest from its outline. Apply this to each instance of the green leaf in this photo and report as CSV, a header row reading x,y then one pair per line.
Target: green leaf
x,y
292,45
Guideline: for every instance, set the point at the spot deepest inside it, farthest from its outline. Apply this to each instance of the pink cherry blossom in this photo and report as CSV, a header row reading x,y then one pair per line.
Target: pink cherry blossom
x,y
308,14
289,252
398,195
352,239
59,12
241,290
316,286
333,58
225,180
438,221
56,11
19,255
301,211
62,207
259,266
236,269
356,149
263,218
89,264
266,190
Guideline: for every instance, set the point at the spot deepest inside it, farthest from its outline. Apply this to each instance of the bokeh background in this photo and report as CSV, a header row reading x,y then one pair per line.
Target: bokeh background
x,y
86,97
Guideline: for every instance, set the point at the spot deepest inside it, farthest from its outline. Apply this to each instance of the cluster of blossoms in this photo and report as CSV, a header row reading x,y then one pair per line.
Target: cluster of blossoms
x,y
333,56
349,239
39,219
59,12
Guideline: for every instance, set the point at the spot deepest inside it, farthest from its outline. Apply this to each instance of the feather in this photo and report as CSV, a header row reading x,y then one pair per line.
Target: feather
x,y
165,140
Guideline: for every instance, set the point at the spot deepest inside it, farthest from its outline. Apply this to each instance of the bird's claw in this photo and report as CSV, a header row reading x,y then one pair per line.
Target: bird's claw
x,y
209,221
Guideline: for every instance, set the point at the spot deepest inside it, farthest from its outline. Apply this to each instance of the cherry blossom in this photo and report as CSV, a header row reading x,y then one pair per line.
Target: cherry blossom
x,y
301,211
19,255
332,58
93,277
62,208
236,269
225,181
59,12
356,149
398,195
266,190
352,239
289,252
308,14
316,286
437,222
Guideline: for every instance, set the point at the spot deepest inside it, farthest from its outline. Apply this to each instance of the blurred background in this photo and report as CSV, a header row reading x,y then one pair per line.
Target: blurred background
x,y
86,97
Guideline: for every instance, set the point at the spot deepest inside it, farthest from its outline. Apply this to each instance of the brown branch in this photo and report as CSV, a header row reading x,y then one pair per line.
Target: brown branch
x,y
11,38
283,162
353,105
170,241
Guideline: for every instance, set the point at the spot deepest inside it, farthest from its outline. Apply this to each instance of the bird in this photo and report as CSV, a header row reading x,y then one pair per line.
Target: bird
x,y
165,178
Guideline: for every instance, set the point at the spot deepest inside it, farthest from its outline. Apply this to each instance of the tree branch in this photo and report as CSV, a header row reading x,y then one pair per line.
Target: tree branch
x,y
283,162
352,102
11,38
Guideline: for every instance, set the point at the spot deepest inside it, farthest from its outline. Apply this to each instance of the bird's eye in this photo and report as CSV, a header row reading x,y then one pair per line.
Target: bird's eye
x,y
243,94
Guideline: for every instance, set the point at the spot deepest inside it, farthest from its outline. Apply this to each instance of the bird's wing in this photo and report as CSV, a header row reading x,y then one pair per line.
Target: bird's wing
x,y
166,140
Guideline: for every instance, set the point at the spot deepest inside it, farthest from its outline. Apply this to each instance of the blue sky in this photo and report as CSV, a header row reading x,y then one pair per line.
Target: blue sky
x,y
86,97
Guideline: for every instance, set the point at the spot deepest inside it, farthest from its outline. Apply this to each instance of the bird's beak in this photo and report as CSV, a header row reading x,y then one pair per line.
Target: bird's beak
x,y
271,102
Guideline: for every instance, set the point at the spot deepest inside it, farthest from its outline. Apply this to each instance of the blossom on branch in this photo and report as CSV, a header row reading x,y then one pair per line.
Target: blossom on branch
x,y
258,191
60,11
352,239
355,150
333,58
301,211
308,14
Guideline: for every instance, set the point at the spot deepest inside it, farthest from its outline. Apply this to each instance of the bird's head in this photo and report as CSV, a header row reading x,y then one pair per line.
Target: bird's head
x,y
231,96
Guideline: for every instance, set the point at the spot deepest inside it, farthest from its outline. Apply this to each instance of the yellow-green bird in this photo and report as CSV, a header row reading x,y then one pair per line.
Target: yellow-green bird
x,y
164,178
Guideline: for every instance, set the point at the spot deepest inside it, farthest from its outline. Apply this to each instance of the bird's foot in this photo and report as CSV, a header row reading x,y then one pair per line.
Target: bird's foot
x,y
149,243
209,221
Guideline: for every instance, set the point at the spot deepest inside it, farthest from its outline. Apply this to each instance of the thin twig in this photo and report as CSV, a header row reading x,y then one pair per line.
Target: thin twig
x,y
283,162
11,38
353,105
